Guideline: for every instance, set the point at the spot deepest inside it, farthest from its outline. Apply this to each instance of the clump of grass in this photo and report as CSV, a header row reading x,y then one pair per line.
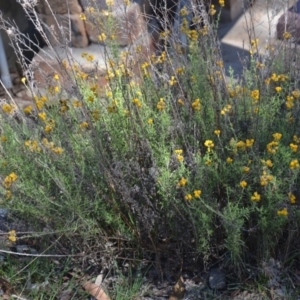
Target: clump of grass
x,y
187,157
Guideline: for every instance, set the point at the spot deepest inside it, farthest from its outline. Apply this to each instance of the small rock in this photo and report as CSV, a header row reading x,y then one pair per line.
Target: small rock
x,y
25,249
216,279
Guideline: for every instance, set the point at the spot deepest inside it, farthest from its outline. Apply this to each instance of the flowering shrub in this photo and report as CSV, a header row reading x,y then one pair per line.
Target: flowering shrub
x,y
210,165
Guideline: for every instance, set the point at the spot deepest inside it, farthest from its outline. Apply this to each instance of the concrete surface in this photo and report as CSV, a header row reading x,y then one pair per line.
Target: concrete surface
x,y
235,36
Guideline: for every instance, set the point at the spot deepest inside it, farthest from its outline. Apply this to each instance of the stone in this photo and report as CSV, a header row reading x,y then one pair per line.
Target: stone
x,y
48,62
289,22
125,24
78,34
58,7
216,279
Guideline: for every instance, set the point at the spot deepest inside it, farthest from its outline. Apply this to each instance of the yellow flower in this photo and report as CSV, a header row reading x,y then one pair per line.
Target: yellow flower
x,y
48,128
212,10
82,17
180,101
56,77
184,11
282,212
265,178
180,70
278,89
32,145
102,37
217,132
188,197
197,193
12,177
229,160
209,144
57,150
208,162
40,102
3,138
277,136
161,105
84,124
255,196
292,198
246,169
137,102
255,95
249,142
7,108
272,147
150,121
178,151
286,35
296,139
241,144
294,147
296,93
294,164
173,80
28,109
42,115
182,182
243,183
180,157
267,163
12,235
196,104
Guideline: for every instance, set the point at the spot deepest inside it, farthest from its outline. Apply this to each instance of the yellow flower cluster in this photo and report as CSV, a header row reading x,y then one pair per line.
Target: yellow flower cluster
x,y
265,178
294,164
196,194
12,235
209,144
179,155
248,143
32,145
28,109
286,35
52,147
87,56
182,182
255,95
282,212
267,163
161,105
276,77
196,104
292,198
243,184
226,109
255,197
10,179
8,108
137,102
40,101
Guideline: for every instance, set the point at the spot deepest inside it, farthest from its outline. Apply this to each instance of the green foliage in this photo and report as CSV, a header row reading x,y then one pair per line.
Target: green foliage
x,y
192,158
